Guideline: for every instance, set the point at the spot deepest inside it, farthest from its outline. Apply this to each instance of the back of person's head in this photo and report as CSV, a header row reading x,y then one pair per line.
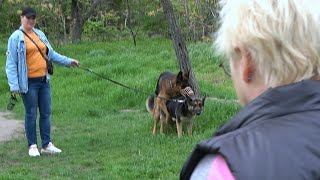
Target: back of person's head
x,y
282,37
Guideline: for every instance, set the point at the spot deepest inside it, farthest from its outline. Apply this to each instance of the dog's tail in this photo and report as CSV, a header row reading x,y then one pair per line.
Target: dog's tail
x,y
150,103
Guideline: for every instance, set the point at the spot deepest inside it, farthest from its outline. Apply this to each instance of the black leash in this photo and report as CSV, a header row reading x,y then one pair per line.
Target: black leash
x,y
120,84
113,81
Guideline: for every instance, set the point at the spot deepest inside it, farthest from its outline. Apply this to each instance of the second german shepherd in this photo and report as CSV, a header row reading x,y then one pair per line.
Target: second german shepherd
x,y
181,109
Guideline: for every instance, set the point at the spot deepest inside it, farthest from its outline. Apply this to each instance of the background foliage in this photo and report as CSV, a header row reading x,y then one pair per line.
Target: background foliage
x,y
111,18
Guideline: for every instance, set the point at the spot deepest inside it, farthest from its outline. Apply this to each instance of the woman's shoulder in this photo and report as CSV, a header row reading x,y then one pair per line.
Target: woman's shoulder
x,y
38,31
16,35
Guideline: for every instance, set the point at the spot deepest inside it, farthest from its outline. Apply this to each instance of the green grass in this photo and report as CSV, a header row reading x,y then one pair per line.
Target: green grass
x,y
104,129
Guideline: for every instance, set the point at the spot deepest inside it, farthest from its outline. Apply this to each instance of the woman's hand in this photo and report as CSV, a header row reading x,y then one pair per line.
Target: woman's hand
x,y
74,63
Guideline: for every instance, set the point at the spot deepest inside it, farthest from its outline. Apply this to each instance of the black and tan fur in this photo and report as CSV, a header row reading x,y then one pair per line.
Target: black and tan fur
x,y
181,109
168,85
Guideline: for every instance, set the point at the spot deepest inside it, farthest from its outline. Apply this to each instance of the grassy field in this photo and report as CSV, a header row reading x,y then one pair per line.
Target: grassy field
x,y
103,129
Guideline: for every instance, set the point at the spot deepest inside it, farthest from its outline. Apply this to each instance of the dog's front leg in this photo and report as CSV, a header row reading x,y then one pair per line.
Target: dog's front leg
x,y
189,127
154,131
165,112
179,127
168,117
161,125
156,118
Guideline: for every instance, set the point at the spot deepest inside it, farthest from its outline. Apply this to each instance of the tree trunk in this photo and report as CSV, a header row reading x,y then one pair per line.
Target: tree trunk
x,y
64,29
78,20
128,23
179,44
76,28
1,2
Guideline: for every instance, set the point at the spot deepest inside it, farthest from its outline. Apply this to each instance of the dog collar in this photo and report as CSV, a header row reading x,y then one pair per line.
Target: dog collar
x,y
179,101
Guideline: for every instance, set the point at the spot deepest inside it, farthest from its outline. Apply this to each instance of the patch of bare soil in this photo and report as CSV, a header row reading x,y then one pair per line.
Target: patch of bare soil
x,y
10,128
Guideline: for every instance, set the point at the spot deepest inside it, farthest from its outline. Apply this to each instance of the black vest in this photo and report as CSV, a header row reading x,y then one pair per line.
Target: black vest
x,y
274,137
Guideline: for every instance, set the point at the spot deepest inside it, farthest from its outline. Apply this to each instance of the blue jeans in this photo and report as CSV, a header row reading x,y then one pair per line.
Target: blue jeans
x,y
38,96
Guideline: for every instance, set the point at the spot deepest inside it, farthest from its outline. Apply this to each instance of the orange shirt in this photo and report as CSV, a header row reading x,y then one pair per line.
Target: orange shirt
x,y
36,65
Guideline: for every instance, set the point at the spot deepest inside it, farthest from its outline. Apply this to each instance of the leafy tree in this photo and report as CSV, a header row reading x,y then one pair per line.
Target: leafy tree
x,y
198,17
51,17
80,13
64,20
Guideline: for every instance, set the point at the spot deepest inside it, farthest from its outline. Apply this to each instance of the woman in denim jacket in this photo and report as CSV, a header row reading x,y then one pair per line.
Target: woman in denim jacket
x,y
27,74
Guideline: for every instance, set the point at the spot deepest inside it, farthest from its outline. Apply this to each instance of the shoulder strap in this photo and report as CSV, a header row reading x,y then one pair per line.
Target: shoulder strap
x,y
44,57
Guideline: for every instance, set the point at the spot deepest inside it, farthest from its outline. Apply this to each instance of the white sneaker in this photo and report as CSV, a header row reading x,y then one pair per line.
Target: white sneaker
x,y
50,149
33,150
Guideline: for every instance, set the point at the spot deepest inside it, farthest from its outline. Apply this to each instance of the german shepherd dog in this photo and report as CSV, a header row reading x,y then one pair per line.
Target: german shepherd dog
x,y
181,109
168,86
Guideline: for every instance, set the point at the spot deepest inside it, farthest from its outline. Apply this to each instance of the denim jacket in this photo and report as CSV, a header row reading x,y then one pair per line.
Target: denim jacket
x,y
16,65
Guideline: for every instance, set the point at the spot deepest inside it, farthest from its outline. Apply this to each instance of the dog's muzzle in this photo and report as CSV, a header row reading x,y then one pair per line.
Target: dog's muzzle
x,y
198,113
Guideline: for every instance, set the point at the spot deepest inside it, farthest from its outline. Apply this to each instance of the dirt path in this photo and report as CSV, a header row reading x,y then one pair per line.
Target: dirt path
x,y
9,127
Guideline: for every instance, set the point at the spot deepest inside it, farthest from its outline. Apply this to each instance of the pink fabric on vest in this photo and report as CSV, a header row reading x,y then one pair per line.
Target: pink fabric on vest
x,y
219,170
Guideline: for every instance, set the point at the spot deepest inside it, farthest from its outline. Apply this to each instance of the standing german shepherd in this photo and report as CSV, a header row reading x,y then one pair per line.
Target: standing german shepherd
x,y
168,86
180,109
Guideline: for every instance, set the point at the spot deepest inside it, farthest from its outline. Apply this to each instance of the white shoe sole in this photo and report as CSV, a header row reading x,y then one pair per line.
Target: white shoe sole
x,y
49,152
34,155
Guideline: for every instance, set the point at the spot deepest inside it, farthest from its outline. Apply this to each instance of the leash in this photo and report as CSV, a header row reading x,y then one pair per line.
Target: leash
x,y
125,86
113,81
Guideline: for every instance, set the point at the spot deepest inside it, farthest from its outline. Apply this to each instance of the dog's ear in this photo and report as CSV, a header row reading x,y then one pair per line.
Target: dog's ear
x,y
186,74
188,99
180,76
203,99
